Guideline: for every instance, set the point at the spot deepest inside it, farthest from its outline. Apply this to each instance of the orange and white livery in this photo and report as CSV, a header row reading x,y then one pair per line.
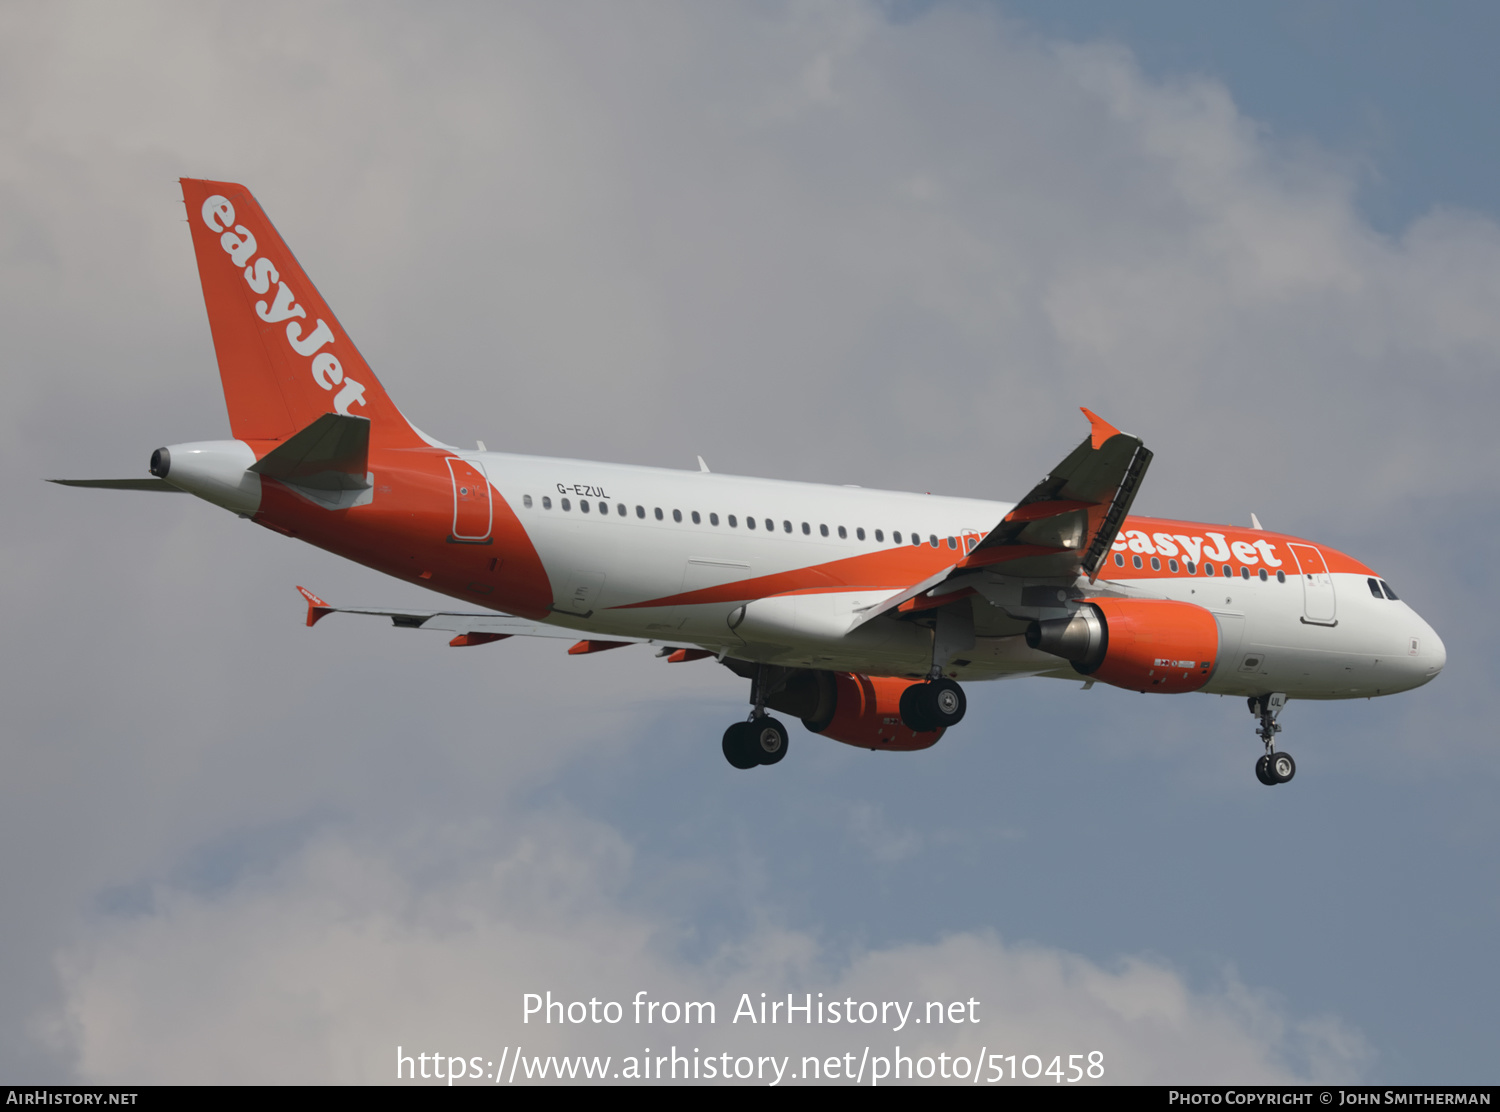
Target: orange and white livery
x,y
859,611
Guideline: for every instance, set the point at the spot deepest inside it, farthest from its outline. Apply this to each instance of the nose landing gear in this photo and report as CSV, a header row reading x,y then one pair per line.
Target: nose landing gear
x,y
1273,768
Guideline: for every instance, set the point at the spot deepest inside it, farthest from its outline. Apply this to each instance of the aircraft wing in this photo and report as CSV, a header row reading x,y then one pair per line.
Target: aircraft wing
x,y
1062,529
1068,522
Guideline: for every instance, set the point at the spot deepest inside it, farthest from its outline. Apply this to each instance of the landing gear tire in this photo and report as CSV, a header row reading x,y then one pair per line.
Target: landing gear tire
x,y
1263,771
914,710
1282,768
761,741
936,705
738,741
946,703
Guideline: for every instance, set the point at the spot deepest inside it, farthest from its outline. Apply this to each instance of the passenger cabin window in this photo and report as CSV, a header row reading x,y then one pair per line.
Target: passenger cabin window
x,y
1244,573
896,538
1263,575
932,539
1281,577
546,502
526,501
1390,594
822,530
696,519
1227,570
620,509
880,536
953,542
1192,568
1136,560
1119,560
806,529
786,526
640,511
713,519
771,526
677,516
583,507
1172,565
1208,569
658,513
859,533
749,522
1155,564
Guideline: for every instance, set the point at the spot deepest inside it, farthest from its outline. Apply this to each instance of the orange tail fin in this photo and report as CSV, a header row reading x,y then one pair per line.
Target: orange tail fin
x,y
283,358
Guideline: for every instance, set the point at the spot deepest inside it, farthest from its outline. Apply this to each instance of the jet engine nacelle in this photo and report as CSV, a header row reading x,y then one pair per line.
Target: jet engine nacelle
x,y
866,711
1154,645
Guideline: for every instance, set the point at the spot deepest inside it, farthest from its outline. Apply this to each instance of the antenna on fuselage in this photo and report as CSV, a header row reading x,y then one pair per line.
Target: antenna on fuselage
x,y
703,467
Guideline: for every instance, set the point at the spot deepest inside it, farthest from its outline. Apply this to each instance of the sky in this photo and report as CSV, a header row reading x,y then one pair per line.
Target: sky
x,y
889,244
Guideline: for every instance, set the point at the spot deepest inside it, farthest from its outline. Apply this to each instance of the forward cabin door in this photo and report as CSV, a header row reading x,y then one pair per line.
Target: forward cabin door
x,y
1318,603
473,515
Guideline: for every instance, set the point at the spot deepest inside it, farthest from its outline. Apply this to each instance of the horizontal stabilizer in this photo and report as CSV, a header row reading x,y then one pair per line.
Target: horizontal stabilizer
x,y
120,484
332,453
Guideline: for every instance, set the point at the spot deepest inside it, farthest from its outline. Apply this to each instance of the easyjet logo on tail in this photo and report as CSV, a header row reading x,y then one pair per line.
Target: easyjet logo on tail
x,y
239,243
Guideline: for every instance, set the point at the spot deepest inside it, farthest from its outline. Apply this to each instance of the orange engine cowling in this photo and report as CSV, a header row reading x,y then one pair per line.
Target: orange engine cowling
x,y
1154,645
867,712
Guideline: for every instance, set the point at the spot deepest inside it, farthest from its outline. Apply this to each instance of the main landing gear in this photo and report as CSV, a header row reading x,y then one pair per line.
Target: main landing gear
x,y
761,740
934,705
1273,768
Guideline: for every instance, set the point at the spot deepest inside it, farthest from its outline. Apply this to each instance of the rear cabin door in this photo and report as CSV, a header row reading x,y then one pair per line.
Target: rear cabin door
x,y
472,512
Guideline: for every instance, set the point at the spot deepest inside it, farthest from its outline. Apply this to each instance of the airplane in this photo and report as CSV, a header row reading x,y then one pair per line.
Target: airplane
x,y
861,612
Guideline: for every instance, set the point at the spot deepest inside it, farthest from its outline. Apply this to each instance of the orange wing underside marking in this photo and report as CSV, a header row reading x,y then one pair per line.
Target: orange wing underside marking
x,y
887,570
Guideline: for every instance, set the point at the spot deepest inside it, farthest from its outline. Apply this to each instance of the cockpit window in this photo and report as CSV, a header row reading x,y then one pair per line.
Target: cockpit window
x,y
1375,589
1390,594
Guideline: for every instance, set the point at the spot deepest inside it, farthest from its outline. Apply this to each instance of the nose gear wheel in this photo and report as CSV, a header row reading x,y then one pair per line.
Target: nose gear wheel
x,y
1273,768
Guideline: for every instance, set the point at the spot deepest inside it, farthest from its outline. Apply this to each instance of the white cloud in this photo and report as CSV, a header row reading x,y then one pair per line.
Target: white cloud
x,y
319,969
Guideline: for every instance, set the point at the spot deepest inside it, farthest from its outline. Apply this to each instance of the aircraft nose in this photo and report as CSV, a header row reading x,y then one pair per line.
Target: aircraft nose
x,y
1439,651
1432,654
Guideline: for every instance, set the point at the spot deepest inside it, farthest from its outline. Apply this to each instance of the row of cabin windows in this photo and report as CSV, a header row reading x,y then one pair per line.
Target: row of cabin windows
x,y
1192,568
733,522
